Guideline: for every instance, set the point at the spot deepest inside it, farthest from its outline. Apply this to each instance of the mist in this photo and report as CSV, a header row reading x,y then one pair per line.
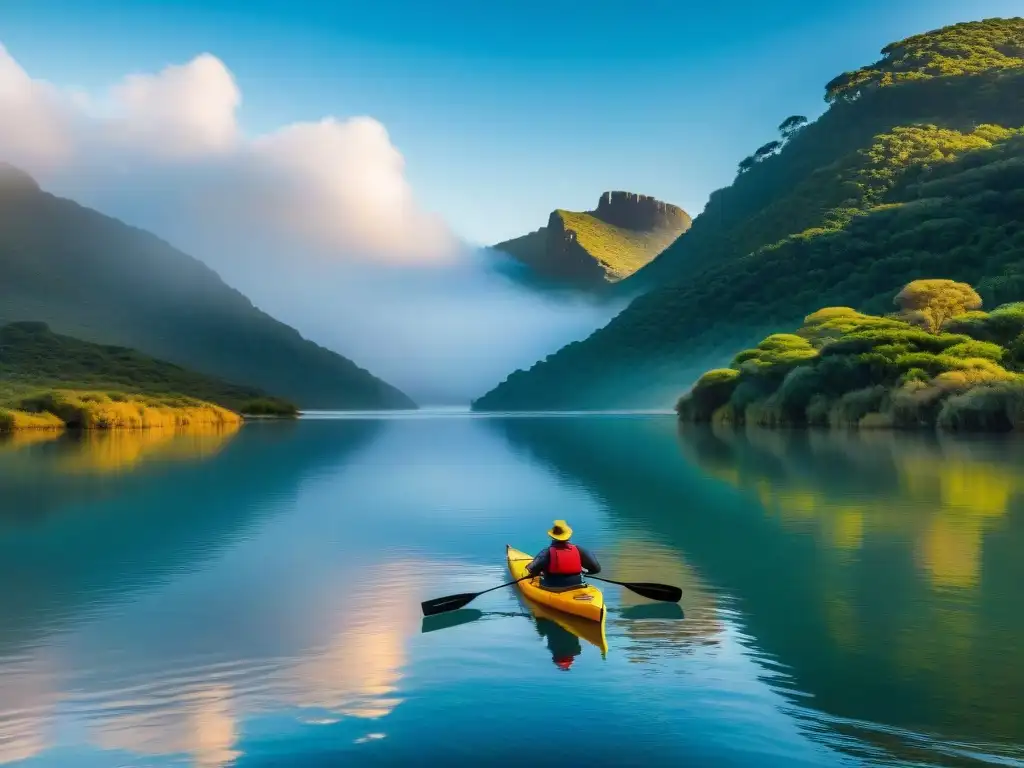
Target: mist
x,y
315,222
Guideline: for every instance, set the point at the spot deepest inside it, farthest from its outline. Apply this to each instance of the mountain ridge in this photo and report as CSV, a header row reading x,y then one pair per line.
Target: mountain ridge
x,y
96,278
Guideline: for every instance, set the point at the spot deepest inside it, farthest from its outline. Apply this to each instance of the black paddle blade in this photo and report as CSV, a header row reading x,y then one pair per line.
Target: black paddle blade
x,y
663,592
445,604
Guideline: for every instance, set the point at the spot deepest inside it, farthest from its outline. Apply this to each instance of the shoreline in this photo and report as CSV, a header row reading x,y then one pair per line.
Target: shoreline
x,y
879,425
64,410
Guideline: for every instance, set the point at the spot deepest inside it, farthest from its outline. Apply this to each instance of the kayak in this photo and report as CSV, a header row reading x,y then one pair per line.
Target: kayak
x,y
585,601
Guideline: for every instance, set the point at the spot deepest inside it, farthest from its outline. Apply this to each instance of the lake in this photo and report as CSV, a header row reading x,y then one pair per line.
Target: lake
x,y
251,598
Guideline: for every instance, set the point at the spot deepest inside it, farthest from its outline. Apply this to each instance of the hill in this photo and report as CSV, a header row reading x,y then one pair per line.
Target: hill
x,y
94,278
593,248
33,358
916,170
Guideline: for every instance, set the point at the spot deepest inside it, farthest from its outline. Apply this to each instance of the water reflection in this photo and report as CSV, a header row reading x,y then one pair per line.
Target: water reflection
x,y
904,581
450,619
107,451
42,471
635,559
197,722
28,699
949,492
263,603
562,633
873,575
145,684
189,697
11,442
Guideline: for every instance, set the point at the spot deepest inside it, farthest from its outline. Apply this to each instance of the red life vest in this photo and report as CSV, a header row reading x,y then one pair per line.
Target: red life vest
x,y
564,561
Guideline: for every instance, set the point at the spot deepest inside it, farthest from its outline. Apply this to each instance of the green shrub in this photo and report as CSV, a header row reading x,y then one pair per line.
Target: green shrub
x,y
914,374
982,349
269,407
915,405
854,406
1000,326
818,409
987,408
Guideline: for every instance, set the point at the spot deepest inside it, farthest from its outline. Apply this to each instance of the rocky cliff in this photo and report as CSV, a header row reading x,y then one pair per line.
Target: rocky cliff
x,y
593,248
641,213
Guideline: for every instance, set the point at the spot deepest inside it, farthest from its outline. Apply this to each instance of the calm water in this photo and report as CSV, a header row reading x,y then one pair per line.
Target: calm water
x,y
251,598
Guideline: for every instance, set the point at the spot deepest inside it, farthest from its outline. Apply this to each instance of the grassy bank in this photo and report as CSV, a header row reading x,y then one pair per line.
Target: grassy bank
x,y
74,409
35,360
939,362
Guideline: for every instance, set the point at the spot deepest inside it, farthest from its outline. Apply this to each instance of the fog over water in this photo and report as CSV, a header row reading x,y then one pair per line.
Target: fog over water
x,y
315,222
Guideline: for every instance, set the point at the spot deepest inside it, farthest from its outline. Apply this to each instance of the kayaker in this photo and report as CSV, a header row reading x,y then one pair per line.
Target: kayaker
x,y
562,564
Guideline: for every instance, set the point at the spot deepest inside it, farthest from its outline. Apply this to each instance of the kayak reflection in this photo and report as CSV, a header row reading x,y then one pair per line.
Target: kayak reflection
x,y
563,632
564,646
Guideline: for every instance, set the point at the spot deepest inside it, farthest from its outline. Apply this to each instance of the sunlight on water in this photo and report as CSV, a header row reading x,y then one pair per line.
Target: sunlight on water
x,y
25,438
122,450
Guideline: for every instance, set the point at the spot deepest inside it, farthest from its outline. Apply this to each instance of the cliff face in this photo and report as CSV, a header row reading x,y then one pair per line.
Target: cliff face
x,y
590,249
564,259
640,212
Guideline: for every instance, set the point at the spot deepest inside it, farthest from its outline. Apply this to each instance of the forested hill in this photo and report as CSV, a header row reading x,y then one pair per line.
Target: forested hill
x,y
92,277
916,170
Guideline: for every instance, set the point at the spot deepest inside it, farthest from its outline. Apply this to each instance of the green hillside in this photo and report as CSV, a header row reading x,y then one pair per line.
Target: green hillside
x,y
94,278
33,358
915,171
938,362
590,249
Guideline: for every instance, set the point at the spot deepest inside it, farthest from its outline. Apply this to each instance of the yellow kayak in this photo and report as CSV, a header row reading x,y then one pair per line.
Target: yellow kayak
x,y
586,602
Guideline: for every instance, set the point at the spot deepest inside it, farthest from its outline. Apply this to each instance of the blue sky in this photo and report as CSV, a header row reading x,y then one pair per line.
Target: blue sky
x,y
504,110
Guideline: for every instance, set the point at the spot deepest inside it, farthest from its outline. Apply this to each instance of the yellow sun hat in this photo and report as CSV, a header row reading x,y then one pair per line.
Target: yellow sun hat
x,y
560,531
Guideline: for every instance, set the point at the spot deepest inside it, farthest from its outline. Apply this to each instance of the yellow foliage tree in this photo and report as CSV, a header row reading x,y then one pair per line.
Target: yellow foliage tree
x,y
930,303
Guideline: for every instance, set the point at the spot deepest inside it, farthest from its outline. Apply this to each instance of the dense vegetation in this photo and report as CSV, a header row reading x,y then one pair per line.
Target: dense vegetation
x,y
593,248
94,278
58,409
939,361
33,359
910,178
961,49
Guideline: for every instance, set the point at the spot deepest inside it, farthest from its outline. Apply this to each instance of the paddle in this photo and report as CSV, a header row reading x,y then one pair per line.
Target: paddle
x,y
663,592
454,602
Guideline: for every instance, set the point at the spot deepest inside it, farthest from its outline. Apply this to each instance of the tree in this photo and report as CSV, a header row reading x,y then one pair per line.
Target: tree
x,y
791,126
931,303
768,149
747,163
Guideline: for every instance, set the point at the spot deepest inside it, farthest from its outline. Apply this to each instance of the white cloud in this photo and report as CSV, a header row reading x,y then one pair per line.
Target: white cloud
x,y
315,222
182,111
338,186
36,119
